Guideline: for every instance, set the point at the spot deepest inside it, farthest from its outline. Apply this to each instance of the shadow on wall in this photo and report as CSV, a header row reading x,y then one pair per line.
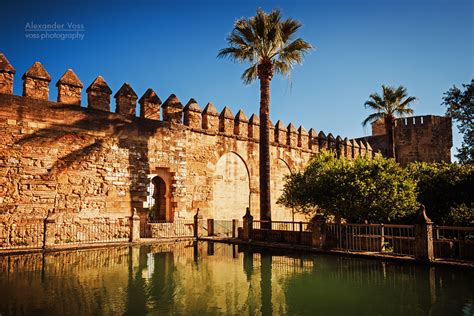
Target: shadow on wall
x,y
93,157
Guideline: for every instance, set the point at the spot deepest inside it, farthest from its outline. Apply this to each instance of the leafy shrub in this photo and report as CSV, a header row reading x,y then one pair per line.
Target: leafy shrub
x,y
375,190
447,191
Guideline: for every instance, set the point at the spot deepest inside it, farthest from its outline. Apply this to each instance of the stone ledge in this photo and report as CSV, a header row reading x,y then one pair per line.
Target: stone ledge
x,y
142,241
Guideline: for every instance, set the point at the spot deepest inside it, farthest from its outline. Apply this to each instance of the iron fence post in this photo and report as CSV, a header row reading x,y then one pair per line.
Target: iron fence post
x,y
382,237
49,231
234,228
300,235
210,227
197,217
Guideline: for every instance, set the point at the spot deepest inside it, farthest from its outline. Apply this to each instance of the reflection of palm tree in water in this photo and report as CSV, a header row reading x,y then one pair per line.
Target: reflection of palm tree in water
x,y
250,303
266,283
136,291
162,290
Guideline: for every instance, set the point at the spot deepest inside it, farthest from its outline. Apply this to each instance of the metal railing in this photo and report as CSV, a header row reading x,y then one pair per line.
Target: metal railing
x,y
23,234
399,239
282,225
92,232
226,228
177,228
396,239
282,231
453,242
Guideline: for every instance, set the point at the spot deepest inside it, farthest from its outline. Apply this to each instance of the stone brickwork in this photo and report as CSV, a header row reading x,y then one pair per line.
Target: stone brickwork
x,y
98,95
36,82
69,88
89,163
6,75
150,105
126,100
418,138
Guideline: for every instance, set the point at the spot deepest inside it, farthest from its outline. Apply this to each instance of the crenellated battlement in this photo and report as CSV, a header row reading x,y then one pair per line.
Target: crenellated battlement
x,y
76,159
417,122
417,138
36,81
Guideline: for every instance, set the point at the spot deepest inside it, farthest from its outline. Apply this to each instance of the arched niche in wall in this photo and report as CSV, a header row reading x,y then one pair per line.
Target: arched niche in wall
x,y
159,196
231,187
279,169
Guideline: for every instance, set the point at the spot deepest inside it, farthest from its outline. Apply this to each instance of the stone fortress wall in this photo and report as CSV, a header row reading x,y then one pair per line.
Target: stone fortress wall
x,y
417,138
89,163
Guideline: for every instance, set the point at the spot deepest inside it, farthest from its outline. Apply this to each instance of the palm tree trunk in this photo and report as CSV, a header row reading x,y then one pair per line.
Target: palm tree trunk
x,y
389,124
265,72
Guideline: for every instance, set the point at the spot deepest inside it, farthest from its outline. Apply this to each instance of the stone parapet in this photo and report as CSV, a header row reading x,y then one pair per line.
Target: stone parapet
x,y
193,114
322,141
150,105
69,88
280,133
241,124
291,136
226,121
173,110
126,100
254,127
7,72
98,95
210,118
313,140
303,138
36,82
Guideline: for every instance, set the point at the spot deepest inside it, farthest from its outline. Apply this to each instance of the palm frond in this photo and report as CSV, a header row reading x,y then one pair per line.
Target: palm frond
x,y
288,29
373,105
393,103
243,27
235,39
282,68
293,53
273,33
236,54
407,102
400,92
250,74
259,24
265,38
376,98
373,118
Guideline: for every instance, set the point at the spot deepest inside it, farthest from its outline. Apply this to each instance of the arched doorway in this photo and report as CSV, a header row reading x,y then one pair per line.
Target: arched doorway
x,y
231,188
159,200
279,170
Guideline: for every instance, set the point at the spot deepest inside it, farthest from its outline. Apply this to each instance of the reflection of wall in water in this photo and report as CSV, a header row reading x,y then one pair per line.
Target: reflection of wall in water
x,y
103,278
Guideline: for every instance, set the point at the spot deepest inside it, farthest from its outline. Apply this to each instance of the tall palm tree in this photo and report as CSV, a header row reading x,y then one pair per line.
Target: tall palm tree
x,y
267,43
392,104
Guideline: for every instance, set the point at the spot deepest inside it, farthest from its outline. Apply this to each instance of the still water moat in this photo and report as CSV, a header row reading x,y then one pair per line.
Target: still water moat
x,y
212,278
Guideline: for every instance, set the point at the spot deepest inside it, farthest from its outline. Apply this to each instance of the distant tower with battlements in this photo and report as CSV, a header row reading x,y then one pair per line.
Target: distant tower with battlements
x,y
417,138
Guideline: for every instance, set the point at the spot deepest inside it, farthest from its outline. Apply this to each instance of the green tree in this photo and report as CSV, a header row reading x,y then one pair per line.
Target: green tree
x,y
446,190
392,104
267,43
376,190
460,106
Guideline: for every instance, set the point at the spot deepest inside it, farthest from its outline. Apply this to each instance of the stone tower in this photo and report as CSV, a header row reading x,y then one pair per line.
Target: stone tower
x,y
417,138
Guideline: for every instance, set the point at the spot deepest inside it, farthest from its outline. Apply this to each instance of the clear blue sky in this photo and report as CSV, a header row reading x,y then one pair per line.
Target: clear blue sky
x,y
171,46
